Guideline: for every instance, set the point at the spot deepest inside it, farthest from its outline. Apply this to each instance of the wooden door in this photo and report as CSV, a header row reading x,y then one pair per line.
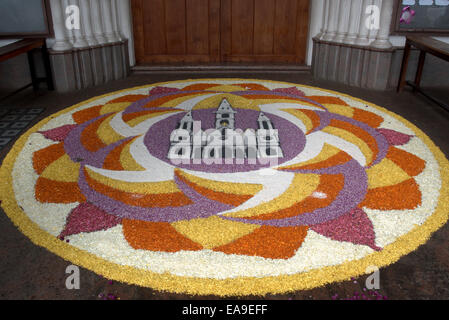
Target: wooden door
x,y
264,31
176,31
220,31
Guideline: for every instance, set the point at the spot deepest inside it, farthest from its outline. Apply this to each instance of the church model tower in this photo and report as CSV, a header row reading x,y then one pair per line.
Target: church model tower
x,y
224,142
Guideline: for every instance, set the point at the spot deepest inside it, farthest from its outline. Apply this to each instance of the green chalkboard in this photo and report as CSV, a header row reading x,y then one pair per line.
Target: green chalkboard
x,y
24,18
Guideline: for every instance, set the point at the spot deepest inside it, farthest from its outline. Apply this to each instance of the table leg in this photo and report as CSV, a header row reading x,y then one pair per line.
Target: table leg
x,y
34,78
422,58
405,59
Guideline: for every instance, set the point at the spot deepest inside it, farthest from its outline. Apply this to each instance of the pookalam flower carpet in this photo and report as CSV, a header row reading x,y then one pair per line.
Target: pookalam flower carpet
x,y
228,187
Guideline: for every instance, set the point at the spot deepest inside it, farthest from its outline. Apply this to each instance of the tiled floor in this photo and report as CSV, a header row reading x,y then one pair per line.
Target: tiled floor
x,y
31,272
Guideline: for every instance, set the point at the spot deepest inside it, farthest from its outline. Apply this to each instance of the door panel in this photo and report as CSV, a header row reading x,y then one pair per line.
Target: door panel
x,y
176,31
211,31
264,30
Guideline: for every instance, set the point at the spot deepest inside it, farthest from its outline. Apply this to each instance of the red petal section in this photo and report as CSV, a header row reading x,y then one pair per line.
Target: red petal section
x,y
293,91
161,90
354,227
88,218
58,134
395,138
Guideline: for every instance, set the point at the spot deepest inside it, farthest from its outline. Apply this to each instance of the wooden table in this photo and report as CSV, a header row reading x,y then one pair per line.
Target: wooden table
x,y
425,44
27,46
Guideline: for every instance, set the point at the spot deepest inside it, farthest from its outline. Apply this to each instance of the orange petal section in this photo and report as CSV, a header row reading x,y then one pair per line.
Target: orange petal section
x,y
371,119
86,114
358,132
408,162
156,236
112,160
402,196
330,185
50,191
89,136
44,157
268,242
313,117
226,198
327,100
251,86
162,200
338,159
129,98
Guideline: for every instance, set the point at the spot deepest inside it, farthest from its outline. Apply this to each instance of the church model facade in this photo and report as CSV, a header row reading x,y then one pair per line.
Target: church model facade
x,y
189,141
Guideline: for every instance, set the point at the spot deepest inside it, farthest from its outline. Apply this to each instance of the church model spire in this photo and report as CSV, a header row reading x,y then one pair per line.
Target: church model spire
x,y
224,116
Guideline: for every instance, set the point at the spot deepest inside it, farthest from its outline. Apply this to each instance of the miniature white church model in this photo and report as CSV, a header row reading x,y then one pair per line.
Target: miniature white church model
x,y
224,142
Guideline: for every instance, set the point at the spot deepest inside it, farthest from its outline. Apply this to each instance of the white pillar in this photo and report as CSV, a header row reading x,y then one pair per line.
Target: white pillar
x,y
319,10
87,24
362,38
68,32
354,21
106,10
80,40
126,27
374,31
97,21
382,41
62,43
332,21
115,22
343,20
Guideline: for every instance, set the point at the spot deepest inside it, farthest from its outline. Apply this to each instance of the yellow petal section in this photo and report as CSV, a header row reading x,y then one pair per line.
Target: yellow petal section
x,y
302,186
225,187
106,133
226,88
127,161
114,107
385,173
346,135
237,101
213,231
63,169
301,116
327,152
136,121
339,109
135,187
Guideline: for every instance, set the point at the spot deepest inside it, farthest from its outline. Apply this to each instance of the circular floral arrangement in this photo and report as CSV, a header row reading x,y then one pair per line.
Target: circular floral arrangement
x,y
314,186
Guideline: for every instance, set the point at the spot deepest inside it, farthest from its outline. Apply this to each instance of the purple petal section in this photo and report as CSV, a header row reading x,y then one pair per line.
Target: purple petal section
x,y
88,218
395,138
353,192
202,207
354,227
58,134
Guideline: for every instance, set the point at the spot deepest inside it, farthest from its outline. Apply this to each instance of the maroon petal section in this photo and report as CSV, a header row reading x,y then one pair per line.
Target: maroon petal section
x,y
163,90
293,91
354,227
88,218
58,134
395,138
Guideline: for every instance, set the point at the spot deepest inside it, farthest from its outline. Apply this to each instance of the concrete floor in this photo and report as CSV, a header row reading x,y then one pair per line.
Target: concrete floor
x,y
31,272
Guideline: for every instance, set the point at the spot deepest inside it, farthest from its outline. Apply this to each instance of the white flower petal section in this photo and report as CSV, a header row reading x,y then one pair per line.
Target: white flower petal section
x,y
125,130
191,103
273,185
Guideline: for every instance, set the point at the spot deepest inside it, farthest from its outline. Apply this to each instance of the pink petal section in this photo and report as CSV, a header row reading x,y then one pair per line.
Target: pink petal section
x,y
354,227
58,134
88,218
293,91
162,90
395,138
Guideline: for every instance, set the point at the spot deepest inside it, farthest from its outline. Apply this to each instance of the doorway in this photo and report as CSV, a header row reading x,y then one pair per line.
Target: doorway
x,y
199,32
